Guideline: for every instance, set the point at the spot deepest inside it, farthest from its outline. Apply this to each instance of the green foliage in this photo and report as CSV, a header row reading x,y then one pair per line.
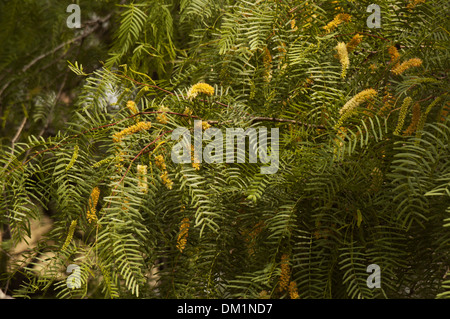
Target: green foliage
x,y
347,194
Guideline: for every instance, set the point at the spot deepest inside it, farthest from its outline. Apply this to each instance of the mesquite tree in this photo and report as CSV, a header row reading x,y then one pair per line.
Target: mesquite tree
x,y
362,156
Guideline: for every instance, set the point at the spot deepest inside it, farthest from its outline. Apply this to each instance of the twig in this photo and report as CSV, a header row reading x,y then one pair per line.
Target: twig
x,y
366,34
62,45
254,119
273,119
139,154
19,131
98,22
15,138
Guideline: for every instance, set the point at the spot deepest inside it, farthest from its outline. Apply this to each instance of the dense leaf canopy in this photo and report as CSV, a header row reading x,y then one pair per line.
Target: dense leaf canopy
x,y
88,118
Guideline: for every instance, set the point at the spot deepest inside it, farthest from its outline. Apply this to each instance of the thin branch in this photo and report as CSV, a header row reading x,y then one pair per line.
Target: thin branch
x,y
15,138
273,119
366,34
139,154
85,34
19,131
96,23
135,158
254,119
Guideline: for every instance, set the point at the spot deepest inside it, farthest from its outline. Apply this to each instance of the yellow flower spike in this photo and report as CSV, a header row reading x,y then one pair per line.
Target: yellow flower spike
x,y
285,272
69,237
293,26
103,161
399,69
250,236
341,49
267,60
142,175
166,180
350,107
423,118
357,100
293,291
414,121
395,56
205,125
338,19
132,107
183,234
344,17
131,130
403,111
200,88
93,200
193,159
413,3
160,162
74,157
162,118
354,42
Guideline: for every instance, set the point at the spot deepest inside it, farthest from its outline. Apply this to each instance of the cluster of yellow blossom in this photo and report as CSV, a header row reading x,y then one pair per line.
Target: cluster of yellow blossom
x,y
399,69
74,157
414,121
403,111
193,159
160,162
354,42
267,61
166,180
343,57
200,88
357,100
413,3
205,125
395,56
349,108
338,19
293,26
250,236
293,291
161,117
285,272
131,130
142,175
183,234
103,161
132,107
69,237
187,111
93,200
